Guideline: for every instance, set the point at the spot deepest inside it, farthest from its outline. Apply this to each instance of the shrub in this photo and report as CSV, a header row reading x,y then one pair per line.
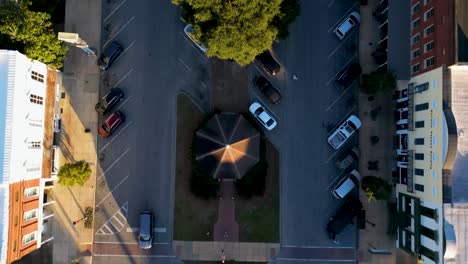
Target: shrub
x,y
376,188
88,217
378,81
71,174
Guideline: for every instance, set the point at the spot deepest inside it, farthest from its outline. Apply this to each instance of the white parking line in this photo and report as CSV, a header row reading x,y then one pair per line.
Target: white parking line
x,y
186,66
123,103
343,41
115,9
290,246
203,55
113,189
338,98
125,76
331,3
334,180
118,32
160,230
327,260
204,85
342,68
115,161
115,136
123,52
341,19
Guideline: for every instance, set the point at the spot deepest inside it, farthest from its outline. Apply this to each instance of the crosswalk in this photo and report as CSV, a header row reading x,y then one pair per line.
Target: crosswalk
x,y
116,223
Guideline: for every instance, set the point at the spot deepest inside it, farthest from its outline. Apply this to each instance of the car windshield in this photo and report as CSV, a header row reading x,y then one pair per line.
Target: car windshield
x,y
259,111
106,128
145,238
339,32
349,128
270,122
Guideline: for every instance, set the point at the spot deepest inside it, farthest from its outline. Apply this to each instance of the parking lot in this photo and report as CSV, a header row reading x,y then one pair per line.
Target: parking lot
x,y
137,161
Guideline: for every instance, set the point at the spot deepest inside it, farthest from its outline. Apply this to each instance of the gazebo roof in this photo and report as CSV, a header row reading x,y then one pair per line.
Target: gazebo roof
x,y
227,146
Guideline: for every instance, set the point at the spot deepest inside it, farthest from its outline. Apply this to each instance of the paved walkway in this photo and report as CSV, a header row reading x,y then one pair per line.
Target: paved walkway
x,y
226,227
80,84
212,251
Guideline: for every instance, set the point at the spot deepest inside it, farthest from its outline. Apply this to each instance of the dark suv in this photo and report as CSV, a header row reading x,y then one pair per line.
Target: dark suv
x,y
268,89
110,55
348,75
268,62
343,217
109,100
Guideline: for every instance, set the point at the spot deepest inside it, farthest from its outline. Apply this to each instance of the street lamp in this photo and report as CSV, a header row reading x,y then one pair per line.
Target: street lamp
x,y
75,40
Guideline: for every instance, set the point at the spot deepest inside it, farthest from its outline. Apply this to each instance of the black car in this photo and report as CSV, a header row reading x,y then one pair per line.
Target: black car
x,y
268,89
343,217
268,62
108,101
348,75
110,55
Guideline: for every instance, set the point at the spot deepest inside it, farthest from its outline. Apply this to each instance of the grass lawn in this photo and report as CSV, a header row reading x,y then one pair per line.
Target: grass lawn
x,y
193,217
258,218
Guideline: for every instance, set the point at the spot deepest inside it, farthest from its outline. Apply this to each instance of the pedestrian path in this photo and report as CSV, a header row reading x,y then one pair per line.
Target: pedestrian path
x,y
226,228
116,223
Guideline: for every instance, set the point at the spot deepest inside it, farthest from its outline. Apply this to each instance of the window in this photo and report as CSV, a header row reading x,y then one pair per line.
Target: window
x,y
30,192
416,22
34,144
419,124
419,172
14,246
419,156
29,215
427,2
420,107
419,187
429,14
430,254
416,68
432,234
416,7
421,87
429,62
419,141
416,53
416,38
429,46
429,30
428,212
16,196
36,99
37,76
16,220
29,237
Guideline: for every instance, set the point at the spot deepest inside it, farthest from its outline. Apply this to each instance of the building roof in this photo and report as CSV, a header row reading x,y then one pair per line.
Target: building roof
x,y
227,146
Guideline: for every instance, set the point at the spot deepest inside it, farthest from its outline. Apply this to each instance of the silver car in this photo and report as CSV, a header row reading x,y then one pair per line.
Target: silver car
x,y
346,25
145,236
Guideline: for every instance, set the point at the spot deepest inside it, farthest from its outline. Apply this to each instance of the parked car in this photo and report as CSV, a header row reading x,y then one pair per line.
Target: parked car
x,y
348,159
188,29
346,185
343,217
110,55
344,132
348,75
109,101
259,112
268,62
111,124
346,25
145,235
268,89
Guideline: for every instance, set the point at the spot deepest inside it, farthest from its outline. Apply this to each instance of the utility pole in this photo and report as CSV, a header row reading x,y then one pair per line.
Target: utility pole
x,y
75,40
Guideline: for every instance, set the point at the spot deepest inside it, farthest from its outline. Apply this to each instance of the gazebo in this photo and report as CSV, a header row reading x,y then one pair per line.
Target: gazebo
x,y
227,146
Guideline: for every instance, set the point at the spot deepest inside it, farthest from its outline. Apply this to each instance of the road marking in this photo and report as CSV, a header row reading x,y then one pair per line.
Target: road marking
x,y
204,85
327,260
203,55
135,256
115,161
115,9
338,98
125,76
116,219
341,19
288,246
132,229
104,227
160,230
128,243
341,44
115,136
123,52
331,3
188,68
113,189
118,32
123,103
342,68
334,180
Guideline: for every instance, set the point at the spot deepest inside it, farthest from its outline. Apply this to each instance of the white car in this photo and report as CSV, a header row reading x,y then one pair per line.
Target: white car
x,y
346,25
346,185
259,112
344,132
188,31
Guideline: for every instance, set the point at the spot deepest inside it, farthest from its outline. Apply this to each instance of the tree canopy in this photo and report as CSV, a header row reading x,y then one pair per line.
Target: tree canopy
x,y
239,29
71,174
33,30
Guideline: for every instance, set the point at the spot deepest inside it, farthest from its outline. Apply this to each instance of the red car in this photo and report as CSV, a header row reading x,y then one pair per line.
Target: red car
x,y
111,124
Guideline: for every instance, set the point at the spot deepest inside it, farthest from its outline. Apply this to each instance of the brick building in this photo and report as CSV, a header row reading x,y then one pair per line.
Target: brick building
x,y
27,101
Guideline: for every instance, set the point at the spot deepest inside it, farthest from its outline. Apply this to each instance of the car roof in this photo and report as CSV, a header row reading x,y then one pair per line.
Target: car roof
x,y
111,49
145,224
355,120
345,186
114,117
268,89
267,58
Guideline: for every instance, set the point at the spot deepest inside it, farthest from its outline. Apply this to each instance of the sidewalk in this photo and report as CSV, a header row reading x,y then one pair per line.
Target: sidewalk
x,y
375,236
80,84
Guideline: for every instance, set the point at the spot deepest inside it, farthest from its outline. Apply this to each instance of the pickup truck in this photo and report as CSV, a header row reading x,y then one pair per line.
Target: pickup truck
x,y
348,159
344,132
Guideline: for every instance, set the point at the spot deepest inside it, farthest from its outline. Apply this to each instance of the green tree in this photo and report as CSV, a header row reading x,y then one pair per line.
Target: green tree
x,y
376,188
71,174
239,29
378,81
34,30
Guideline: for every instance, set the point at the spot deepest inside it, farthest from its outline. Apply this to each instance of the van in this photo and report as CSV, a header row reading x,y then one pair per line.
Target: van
x,y
145,236
346,185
